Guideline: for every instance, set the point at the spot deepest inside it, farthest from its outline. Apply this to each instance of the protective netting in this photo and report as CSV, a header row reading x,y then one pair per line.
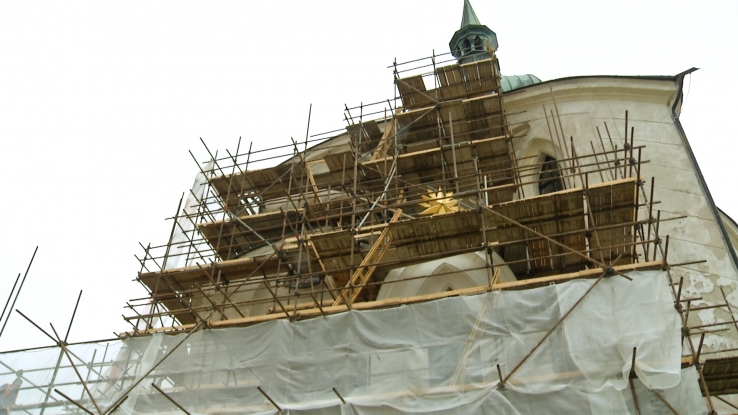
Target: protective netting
x,y
435,357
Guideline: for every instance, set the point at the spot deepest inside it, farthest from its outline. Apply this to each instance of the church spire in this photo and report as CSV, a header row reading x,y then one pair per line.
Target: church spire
x,y
473,41
468,16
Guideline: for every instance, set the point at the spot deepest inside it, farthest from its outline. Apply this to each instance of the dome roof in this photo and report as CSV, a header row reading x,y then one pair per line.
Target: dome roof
x,y
518,81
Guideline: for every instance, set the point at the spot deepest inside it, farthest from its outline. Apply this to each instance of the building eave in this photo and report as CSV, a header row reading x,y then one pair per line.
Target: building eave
x,y
675,110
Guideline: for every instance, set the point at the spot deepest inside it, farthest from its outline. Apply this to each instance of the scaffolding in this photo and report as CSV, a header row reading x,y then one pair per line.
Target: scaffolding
x,y
320,231
425,350
431,174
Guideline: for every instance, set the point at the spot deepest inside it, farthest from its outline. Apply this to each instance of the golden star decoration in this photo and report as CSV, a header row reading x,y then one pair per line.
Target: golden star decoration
x,y
439,203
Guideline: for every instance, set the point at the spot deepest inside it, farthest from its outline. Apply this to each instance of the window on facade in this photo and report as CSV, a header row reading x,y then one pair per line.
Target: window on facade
x,y
467,46
550,179
477,43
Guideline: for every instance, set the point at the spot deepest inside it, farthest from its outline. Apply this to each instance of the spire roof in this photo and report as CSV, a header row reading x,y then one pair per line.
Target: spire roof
x,y
469,17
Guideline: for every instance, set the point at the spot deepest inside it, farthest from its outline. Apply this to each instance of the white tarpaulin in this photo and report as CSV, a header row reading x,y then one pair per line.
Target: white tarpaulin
x,y
436,357
180,239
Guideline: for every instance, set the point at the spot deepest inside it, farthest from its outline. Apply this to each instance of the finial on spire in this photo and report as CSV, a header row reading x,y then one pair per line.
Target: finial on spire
x,y
468,16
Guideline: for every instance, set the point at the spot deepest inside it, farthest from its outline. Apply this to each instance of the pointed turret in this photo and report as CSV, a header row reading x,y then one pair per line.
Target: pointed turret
x,y
469,17
473,41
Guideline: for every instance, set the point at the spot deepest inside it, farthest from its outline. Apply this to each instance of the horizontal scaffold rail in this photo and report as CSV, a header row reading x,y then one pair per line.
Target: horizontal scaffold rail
x,y
303,313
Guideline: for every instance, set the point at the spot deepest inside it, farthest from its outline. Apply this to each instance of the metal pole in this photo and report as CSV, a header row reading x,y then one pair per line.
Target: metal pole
x,y
170,399
74,402
51,384
84,385
270,399
58,361
632,386
453,153
10,296
591,287
130,388
19,290
339,395
69,328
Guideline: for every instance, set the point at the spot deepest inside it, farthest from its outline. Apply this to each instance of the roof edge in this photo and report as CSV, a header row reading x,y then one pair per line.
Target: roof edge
x,y
646,77
675,110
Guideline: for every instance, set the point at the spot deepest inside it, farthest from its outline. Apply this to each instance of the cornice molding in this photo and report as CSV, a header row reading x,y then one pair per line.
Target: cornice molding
x,y
661,90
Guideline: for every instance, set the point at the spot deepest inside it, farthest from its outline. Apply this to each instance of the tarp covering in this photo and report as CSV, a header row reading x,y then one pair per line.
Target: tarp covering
x,y
435,357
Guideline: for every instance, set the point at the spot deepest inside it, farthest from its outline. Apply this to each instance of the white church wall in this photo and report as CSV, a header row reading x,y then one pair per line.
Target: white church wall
x,y
452,273
687,216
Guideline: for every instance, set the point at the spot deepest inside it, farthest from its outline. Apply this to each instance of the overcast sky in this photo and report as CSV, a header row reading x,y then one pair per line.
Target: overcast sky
x,y
100,102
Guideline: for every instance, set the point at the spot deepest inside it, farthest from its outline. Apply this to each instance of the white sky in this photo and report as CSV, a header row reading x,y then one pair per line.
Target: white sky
x,y
100,101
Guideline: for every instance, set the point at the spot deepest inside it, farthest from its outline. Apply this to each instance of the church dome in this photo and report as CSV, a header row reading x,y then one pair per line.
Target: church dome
x,y
512,82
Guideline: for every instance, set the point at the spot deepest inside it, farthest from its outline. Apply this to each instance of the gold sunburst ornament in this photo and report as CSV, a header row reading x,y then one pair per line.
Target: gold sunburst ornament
x,y
439,203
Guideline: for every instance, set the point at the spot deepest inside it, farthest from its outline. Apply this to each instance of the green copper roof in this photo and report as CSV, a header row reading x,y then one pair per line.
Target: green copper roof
x,y
469,17
518,81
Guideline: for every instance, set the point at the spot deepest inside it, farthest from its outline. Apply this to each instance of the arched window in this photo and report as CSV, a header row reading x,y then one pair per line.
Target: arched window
x,y
477,43
550,178
467,46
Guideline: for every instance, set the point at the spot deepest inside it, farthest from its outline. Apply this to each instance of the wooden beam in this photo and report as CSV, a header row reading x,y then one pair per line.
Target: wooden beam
x,y
398,301
362,275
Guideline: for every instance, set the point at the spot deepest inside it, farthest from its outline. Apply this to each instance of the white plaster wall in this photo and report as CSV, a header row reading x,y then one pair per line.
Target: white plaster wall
x,y
452,273
585,103
251,293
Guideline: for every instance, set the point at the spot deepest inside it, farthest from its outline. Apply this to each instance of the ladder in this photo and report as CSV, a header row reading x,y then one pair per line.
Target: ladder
x,y
362,275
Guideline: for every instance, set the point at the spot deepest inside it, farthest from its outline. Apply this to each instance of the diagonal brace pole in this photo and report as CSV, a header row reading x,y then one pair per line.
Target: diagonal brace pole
x,y
558,323
124,395
74,402
557,243
170,399
63,346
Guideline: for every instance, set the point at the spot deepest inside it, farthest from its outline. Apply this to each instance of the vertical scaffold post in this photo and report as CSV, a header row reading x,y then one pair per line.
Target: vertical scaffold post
x,y
453,155
487,250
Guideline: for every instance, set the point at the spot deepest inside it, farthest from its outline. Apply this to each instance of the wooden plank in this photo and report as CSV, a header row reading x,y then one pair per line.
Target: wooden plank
x,y
372,130
563,212
193,274
480,76
335,161
464,153
721,376
334,252
398,301
368,265
434,227
254,182
412,91
452,83
417,125
262,223
437,234
332,244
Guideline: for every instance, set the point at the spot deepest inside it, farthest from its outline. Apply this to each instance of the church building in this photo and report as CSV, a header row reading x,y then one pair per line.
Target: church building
x,y
479,243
